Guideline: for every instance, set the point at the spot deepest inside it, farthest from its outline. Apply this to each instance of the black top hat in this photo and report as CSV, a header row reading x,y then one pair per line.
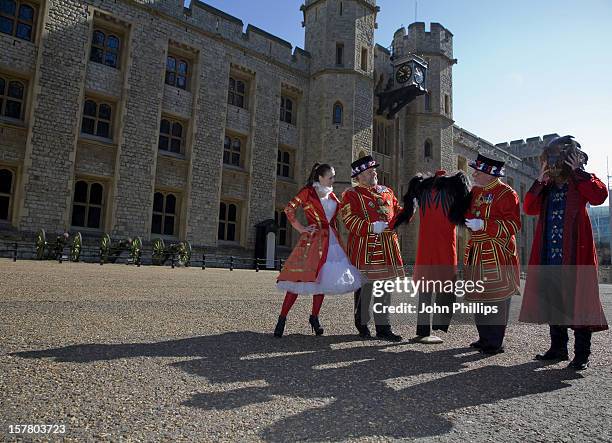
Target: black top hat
x,y
360,165
488,166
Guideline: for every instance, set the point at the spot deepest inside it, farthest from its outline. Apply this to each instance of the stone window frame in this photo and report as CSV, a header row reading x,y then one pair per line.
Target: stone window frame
x,y
281,162
186,76
88,205
364,59
5,97
229,150
97,120
171,137
234,96
105,49
9,195
339,54
428,149
447,109
288,115
164,215
225,222
19,22
284,227
337,119
462,163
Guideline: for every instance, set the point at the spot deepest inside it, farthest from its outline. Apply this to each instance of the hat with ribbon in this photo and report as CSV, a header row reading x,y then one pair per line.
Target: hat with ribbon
x,y
488,166
362,164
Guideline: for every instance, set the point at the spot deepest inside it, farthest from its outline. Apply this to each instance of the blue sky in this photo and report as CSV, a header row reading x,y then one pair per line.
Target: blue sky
x,y
526,68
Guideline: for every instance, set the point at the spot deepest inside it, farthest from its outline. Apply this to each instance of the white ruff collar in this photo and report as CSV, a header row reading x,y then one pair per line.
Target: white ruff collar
x,y
322,191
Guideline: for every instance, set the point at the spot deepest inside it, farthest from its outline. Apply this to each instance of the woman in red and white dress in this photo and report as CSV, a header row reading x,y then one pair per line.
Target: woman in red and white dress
x,y
318,264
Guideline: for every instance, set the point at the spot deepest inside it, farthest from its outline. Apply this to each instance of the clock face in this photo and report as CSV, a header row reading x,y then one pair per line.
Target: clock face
x,y
418,75
403,73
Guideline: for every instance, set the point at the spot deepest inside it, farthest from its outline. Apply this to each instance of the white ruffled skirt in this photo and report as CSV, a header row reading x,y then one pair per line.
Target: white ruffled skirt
x,y
337,275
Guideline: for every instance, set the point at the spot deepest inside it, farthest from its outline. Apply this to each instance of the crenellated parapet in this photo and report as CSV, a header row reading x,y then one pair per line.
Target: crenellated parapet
x,y
221,25
529,148
502,151
437,41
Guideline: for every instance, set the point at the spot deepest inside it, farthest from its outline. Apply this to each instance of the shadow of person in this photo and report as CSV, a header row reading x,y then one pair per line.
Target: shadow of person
x,y
361,388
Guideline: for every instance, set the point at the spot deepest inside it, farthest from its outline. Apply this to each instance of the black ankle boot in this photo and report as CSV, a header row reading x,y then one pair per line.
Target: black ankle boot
x,y
316,326
552,355
280,326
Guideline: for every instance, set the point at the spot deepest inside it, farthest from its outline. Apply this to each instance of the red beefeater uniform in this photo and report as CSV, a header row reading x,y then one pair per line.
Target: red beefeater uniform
x,y
377,256
491,254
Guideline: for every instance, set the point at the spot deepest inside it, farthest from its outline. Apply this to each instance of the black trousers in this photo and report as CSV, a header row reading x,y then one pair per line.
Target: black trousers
x,y
559,338
363,298
492,327
441,320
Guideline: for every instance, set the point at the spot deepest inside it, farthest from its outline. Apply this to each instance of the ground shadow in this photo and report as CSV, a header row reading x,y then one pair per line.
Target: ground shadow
x,y
365,388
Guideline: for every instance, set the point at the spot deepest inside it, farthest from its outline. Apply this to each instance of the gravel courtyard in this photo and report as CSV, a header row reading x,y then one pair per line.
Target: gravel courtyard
x,y
117,352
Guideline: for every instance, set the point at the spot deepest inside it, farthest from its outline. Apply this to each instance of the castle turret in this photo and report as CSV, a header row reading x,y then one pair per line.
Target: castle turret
x,y
340,38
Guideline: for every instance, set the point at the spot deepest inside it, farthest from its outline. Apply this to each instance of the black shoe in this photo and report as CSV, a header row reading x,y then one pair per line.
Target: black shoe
x,y
316,326
492,351
579,364
280,326
552,355
388,336
476,344
364,332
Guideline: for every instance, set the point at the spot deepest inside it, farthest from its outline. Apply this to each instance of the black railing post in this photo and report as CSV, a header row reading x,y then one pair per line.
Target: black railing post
x,y
231,263
203,261
257,265
172,262
15,252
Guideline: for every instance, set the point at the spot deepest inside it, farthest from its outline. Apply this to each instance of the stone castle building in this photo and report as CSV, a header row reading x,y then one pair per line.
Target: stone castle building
x,y
142,117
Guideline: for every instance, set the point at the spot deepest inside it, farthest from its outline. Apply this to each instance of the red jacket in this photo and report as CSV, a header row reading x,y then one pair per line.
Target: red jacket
x,y
579,253
377,256
490,255
310,252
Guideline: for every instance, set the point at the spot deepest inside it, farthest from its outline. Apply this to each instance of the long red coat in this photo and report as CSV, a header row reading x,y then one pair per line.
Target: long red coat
x,y
436,257
579,253
310,252
491,255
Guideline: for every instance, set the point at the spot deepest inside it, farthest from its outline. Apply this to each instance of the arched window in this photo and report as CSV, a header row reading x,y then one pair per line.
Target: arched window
x,y
427,149
97,118
286,111
87,205
6,193
228,222
165,213
105,48
232,151
17,19
12,96
284,163
171,136
337,114
176,72
236,93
